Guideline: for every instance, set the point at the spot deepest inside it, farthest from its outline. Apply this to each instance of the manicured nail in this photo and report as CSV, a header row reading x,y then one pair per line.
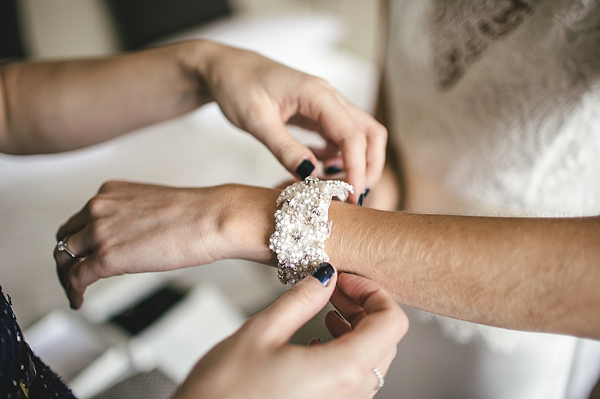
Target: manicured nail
x,y
324,272
367,191
361,198
305,169
332,170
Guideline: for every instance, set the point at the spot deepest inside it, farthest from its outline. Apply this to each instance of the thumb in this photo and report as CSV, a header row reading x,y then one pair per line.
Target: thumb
x,y
291,153
297,306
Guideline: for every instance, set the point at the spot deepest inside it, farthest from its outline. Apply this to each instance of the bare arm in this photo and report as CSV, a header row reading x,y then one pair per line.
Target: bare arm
x,y
531,274
63,105
527,274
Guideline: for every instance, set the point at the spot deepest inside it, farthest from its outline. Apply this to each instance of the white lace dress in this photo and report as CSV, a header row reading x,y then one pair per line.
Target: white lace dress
x,y
496,111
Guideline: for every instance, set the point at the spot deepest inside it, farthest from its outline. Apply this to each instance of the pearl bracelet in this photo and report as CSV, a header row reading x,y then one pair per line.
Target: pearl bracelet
x,y
302,226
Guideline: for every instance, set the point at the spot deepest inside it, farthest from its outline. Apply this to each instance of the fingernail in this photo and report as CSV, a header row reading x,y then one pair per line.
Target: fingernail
x,y
305,169
323,273
367,191
361,198
332,170
338,314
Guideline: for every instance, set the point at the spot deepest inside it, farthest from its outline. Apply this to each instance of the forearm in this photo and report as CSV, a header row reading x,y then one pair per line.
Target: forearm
x,y
63,105
528,274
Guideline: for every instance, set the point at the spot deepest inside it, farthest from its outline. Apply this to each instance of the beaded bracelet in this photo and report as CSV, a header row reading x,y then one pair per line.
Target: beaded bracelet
x,y
302,226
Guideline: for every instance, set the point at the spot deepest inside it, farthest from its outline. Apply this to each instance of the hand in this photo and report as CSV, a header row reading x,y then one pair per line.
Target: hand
x,y
387,194
133,228
261,96
258,361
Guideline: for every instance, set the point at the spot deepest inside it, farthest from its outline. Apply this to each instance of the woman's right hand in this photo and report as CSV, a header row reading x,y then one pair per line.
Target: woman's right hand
x,y
259,362
261,96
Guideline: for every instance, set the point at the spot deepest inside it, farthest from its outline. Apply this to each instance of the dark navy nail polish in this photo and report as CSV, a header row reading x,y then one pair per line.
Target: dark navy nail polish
x,y
332,170
361,198
367,191
324,272
338,314
305,169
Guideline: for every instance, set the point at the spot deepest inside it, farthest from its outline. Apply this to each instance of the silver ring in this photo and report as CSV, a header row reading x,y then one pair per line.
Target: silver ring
x,y
61,246
380,379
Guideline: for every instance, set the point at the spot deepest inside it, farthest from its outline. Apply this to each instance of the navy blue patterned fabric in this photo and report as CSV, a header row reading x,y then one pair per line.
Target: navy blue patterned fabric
x,y
14,359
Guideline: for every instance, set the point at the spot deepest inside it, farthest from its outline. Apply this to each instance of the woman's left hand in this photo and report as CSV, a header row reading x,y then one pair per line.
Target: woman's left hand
x,y
134,228
259,362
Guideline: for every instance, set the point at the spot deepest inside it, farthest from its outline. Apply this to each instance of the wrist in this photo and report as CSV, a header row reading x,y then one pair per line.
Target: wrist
x,y
247,221
197,60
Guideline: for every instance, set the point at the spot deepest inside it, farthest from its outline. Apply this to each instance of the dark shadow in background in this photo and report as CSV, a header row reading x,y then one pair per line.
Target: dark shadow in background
x,y
11,43
140,22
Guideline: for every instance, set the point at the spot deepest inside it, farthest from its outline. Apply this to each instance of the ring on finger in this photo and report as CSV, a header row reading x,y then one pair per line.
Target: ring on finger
x,y
61,246
380,379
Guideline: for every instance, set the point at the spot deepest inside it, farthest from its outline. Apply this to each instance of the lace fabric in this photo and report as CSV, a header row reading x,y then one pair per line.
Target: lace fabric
x,y
496,111
499,101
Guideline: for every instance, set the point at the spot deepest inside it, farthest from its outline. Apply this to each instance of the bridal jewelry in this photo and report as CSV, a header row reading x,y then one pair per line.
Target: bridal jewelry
x,y
61,246
302,226
380,380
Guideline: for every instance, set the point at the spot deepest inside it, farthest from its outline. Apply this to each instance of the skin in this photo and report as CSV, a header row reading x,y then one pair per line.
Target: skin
x,y
258,361
59,106
536,274
45,107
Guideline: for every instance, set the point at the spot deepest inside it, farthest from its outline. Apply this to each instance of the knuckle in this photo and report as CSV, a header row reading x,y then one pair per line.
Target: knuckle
x,y
380,131
354,139
255,118
318,83
394,351
258,330
96,206
284,149
110,185
401,323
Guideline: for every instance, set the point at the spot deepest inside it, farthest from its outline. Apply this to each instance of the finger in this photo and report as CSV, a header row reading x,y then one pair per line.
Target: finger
x,y
77,278
315,341
335,325
387,360
376,135
292,154
305,123
277,323
348,307
75,223
383,367
63,264
77,241
76,274
333,166
382,327
330,150
339,127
